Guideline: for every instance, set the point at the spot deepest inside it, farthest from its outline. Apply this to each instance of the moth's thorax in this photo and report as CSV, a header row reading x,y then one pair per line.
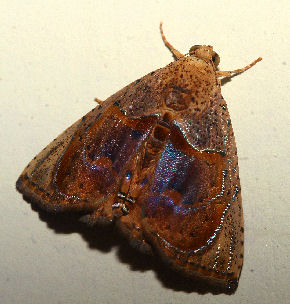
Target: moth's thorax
x,y
189,84
186,85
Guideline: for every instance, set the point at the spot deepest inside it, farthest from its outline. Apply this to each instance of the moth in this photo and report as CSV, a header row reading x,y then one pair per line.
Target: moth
x,y
157,159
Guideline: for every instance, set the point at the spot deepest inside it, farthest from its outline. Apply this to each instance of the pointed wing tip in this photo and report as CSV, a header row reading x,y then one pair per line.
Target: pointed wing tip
x,y
23,187
19,184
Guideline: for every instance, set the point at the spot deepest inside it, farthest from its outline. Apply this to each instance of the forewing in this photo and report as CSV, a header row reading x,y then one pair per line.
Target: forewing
x,y
85,164
192,210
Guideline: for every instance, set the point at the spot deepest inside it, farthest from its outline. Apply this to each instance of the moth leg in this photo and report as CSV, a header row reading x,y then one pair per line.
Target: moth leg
x,y
175,52
99,101
229,73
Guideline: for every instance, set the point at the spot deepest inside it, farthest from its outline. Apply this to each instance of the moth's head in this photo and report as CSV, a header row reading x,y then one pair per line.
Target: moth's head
x,y
206,53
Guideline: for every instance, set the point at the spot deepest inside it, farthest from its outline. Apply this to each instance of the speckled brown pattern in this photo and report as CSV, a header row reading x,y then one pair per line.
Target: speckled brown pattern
x,y
159,160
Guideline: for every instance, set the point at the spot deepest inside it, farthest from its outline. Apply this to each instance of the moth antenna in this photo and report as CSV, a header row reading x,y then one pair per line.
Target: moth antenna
x,y
175,52
229,73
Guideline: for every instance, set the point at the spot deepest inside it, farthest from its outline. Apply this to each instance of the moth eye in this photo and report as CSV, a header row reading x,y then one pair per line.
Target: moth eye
x,y
215,59
193,48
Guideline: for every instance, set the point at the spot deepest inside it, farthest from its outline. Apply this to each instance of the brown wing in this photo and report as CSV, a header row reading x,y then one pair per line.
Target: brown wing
x,y
192,212
81,168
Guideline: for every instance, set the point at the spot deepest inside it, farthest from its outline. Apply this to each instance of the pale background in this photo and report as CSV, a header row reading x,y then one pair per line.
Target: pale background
x,y
56,56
